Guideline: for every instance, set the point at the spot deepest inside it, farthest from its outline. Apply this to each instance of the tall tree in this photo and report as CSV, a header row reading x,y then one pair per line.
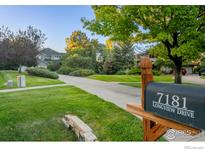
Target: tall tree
x,y
178,30
109,44
79,44
123,56
78,40
6,37
20,48
27,45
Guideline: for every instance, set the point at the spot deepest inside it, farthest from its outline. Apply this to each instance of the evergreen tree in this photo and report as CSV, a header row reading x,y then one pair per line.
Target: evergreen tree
x,y
123,56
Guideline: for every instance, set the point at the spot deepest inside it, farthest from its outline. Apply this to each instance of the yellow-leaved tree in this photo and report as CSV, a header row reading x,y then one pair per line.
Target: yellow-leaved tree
x,y
109,44
77,40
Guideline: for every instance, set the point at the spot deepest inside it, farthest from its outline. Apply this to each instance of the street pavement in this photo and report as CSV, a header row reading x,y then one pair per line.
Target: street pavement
x,y
195,78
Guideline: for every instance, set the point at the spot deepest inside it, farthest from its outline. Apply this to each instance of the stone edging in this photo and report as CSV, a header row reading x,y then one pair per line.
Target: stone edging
x,y
82,130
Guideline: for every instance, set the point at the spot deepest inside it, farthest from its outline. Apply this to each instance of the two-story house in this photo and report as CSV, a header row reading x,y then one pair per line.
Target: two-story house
x,y
48,55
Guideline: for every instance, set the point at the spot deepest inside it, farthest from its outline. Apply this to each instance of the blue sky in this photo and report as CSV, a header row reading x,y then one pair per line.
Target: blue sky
x,y
57,22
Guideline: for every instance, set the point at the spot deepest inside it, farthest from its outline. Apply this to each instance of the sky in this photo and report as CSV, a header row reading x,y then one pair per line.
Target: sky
x,y
57,22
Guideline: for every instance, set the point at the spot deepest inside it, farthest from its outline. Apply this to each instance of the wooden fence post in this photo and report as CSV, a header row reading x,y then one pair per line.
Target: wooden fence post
x,y
146,77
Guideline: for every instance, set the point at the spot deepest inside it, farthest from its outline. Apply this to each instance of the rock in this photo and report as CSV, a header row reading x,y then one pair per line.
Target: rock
x,y
65,123
89,136
82,130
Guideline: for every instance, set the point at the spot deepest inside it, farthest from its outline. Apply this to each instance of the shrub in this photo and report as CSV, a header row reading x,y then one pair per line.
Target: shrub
x,y
134,71
166,70
76,61
99,67
42,72
156,72
82,72
196,69
54,66
65,70
108,67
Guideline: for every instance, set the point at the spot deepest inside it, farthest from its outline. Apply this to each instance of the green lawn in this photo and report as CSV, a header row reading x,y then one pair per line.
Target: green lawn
x,y
138,84
132,84
203,77
30,80
35,115
129,78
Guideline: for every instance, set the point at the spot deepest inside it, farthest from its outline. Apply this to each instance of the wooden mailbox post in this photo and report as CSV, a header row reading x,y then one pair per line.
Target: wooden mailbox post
x,y
154,126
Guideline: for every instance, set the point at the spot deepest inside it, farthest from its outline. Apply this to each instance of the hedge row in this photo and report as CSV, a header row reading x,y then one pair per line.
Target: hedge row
x,y
42,72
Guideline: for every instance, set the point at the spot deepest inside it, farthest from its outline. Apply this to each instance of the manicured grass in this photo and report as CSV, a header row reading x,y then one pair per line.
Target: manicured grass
x,y
35,115
138,84
203,77
30,80
129,78
132,84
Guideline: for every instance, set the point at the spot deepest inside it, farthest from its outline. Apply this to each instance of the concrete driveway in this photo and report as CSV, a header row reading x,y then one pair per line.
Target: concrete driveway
x,y
121,95
195,78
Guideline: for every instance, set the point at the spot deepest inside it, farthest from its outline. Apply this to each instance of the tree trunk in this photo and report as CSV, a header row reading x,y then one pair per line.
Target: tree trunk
x,y
178,77
177,60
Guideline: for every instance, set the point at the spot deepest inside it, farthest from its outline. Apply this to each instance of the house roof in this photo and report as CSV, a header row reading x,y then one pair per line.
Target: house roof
x,y
49,51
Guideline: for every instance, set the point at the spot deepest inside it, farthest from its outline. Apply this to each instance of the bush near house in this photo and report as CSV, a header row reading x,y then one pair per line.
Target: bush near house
x,y
134,71
76,61
156,72
77,65
35,71
108,67
54,66
82,72
65,70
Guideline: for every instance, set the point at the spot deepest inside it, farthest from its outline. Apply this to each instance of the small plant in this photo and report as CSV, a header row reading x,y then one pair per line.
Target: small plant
x,y
54,66
42,72
156,72
134,71
65,70
82,72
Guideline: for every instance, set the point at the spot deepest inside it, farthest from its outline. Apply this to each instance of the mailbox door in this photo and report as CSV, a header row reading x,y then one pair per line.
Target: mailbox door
x,y
184,104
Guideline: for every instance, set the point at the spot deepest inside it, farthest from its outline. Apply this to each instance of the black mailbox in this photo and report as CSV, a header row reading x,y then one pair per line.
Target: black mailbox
x,y
181,103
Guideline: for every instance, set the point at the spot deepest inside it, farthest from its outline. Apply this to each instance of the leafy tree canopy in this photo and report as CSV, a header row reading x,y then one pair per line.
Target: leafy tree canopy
x,y
178,30
21,47
77,40
109,44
